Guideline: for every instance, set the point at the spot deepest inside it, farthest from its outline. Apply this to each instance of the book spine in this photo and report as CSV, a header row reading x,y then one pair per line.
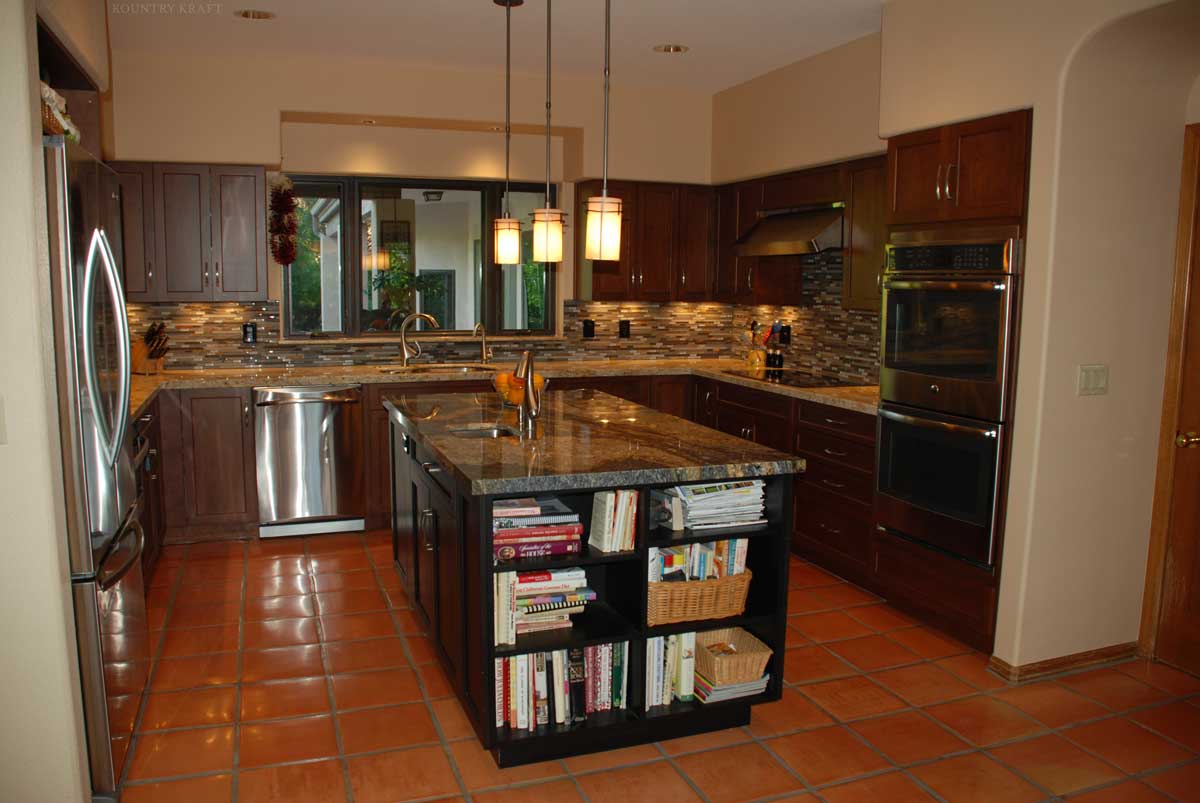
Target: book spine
x,y
550,575
548,587
547,607
522,692
545,531
498,691
556,689
605,679
625,674
739,563
618,660
577,673
589,679
510,675
516,522
540,688
687,666
536,549
565,685
503,511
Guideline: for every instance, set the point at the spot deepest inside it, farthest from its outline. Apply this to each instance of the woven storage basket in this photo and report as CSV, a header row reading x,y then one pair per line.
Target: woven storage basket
x,y
697,599
50,123
747,662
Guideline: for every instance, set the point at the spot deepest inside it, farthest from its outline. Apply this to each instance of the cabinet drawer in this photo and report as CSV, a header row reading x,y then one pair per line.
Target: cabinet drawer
x,y
833,524
429,466
848,422
824,445
759,401
855,485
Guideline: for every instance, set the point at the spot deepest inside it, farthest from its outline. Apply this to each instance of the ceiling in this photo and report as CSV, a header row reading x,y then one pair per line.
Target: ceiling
x,y
729,42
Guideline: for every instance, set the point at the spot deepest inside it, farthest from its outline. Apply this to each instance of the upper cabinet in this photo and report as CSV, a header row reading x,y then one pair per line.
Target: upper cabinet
x,y
193,232
864,234
696,254
967,171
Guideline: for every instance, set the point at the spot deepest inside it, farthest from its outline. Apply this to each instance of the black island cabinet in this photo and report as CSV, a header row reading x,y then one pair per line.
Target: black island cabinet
x,y
447,479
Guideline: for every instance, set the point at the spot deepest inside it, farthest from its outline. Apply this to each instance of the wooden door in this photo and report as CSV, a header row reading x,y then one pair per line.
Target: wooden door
x,y
611,281
987,163
916,177
217,429
239,236
657,239
695,255
725,282
1177,505
426,552
137,229
734,420
865,234
450,613
182,232
404,508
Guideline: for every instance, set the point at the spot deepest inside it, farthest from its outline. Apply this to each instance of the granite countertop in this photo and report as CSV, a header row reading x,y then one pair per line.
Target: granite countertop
x,y
862,399
584,439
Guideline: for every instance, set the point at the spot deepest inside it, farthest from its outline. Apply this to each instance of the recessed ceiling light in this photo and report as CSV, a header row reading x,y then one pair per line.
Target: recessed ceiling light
x,y
670,48
254,14
432,196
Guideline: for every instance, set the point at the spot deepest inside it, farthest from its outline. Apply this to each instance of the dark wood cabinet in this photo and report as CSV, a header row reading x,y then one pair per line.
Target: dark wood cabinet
x,y
148,442
696,254
137,229
704,402
633,388
425,576
239,238
438,571
864,233
672,395
967,171
725,282
218,475
657,241
183,232
756,415
404,505
822,185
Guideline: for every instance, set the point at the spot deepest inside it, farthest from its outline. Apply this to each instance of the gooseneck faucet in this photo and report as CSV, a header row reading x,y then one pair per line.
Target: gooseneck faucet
x,y
408,352
485,353
531,399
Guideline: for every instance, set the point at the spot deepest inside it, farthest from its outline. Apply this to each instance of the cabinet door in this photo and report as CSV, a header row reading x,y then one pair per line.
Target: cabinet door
x,y
803,188
137,229
672,395
218,457
749,199
376,457
239,236
696,225
866,234
725,284
916,177
182,232
631,388
450,614
734,420
654,253
426,551
612,281
704,404
988,159
774,280
404,507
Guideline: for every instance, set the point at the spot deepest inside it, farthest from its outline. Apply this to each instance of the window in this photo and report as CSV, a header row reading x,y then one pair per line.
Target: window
x,y
421,246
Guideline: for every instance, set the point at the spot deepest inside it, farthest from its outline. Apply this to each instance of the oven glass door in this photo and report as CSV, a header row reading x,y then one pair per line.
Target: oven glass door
x,y
937,480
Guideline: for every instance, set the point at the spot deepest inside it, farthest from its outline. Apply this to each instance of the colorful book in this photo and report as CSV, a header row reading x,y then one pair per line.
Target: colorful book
x,y
535,549
543,531
576,674
508,508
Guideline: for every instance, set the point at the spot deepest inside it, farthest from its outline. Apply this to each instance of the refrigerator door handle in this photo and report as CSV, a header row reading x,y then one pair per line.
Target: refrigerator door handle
x,y
111,442
118,294
104,580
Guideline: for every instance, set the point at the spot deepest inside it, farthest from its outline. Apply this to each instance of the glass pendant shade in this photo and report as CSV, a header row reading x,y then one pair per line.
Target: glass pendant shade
x,y
547,235
603,228
508,241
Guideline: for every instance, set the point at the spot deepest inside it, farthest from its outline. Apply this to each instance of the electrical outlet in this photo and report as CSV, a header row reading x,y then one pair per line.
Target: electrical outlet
x,y
589,328
1093,380
785,335
623,329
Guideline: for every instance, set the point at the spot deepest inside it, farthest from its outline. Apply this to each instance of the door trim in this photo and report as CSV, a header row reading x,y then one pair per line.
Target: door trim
x,y
1160,519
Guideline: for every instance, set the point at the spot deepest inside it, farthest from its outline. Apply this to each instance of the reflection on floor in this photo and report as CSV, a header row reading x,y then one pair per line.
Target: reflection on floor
x,y
294,671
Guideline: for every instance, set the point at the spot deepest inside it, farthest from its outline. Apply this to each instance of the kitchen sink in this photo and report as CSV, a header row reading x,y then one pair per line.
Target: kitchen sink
x,y
485,431
441,368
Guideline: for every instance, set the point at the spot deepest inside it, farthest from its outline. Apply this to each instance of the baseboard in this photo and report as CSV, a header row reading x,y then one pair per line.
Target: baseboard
x,y
1065,663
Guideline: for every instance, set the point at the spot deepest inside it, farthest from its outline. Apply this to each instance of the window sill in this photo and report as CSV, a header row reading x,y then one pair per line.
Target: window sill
x,y
424,337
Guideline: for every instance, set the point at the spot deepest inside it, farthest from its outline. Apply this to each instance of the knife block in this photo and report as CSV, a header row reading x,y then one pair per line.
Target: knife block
x,y
140,362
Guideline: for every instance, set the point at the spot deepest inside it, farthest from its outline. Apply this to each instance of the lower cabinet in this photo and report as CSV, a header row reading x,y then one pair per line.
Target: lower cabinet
x,y
704,402
403,508
633,388
150,486
672,395
756,415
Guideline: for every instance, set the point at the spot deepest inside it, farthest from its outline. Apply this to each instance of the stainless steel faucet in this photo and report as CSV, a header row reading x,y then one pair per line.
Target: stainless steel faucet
x,y
408,352
531,399
485,353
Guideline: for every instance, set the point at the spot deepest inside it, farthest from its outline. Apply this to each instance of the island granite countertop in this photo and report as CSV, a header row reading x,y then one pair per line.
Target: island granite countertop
x,y
584,439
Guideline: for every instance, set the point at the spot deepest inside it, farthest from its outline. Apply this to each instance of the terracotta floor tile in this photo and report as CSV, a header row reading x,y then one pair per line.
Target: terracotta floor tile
x,y
357,600
881,617
208,789
972,668
1114,689
286,740
806,575
277,566
339,562
852,698
284,698
1127,746
870,653
372,729
379,687
434,679
408,623
204,614
1057,764
452,719
563,791
351,656
1181,782
286,586
612,758
829,626
217,549
156,618
736,774
425,772
894,787
184,709
317,782
793,711
279,633
975,778
332,544
1052,704
826,755
478,769
708,741
923,684
282,662
908,736
984,721
794,638
354,626
397,599
210,592
1127,792
199,640
632,783
1161,676
259,608
808,664
165,576
421,649
345,581
211,571
845,595
1177,720
807,600
186,752
928,643
122,711
212,669
275,547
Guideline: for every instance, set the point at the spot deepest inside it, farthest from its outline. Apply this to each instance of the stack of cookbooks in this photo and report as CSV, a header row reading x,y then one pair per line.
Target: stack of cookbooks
x,y
700,561
614,520
738,503
534,528
670,669
561,687
706,692
532,602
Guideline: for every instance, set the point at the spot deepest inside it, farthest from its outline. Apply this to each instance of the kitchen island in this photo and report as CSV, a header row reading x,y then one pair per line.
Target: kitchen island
x,y
454,456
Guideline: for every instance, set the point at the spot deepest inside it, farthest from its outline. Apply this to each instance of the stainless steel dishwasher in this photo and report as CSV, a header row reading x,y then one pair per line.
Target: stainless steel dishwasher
x,y
309,451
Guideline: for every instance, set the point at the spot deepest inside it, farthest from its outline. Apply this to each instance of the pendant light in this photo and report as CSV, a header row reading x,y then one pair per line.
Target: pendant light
x,y
507,228
603,236
547,221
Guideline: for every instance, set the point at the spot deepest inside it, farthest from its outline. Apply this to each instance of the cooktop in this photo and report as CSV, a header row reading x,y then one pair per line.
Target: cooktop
x,y
787,376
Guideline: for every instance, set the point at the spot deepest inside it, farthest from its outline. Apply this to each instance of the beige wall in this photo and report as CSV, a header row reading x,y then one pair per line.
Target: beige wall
x,y
1193,104
82,26
41,755
819,110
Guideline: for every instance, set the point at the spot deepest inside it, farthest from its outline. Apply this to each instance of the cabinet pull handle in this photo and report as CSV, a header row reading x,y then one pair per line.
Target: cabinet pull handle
x,y
835,422
431,468
149,274
832,484
246,415
708,401
217,273
750,278
428,515
949,195
206,274
833,452
828,529
937,184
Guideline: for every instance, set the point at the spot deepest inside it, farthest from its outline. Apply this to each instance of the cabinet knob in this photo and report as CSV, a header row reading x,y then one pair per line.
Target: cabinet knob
x,y
1187,440
428,515
935,388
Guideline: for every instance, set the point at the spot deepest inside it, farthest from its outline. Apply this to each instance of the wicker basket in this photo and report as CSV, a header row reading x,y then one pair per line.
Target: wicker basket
x,y
745,662
50,123
697,599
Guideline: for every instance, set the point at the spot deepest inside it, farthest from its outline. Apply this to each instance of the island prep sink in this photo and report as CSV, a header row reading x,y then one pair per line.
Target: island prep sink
x,y
441,368
484,431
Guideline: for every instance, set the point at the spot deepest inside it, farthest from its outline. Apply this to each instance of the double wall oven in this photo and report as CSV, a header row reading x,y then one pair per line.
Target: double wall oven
x,y
950,301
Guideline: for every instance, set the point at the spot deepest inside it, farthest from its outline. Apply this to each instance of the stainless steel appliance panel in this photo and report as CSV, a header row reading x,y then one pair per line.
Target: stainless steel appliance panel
x,y
307,441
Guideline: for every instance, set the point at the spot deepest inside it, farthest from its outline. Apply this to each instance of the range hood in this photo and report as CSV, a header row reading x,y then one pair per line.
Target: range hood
x,y
798,230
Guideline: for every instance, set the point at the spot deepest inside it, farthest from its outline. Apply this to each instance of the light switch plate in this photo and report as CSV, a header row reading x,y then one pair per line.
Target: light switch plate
x,y
1093,380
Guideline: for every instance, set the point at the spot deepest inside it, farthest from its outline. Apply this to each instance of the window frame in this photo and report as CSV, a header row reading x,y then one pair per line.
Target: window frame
x,y
352,275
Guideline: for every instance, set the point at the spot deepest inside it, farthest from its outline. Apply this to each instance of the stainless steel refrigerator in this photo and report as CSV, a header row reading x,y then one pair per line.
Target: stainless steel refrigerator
x,y
105,538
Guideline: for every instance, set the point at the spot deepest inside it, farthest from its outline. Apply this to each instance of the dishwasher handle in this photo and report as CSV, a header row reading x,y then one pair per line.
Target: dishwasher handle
x,y
310,400
278,396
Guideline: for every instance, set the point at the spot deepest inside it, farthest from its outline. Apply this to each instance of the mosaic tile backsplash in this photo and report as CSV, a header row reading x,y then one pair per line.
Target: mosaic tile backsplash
x,y
825,338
